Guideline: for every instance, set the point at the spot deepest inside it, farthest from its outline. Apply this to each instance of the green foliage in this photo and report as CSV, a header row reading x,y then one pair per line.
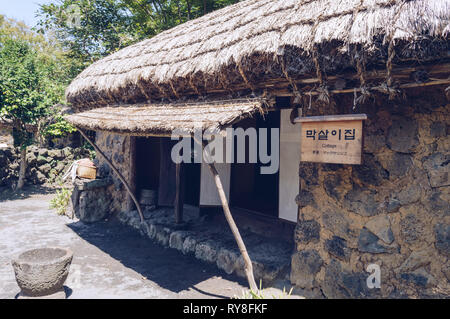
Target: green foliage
x,y
23,96
34,72
61,201
152,17
91,29
55,125
88,29
58,129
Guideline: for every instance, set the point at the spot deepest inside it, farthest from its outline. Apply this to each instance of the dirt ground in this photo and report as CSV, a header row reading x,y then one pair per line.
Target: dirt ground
x,y
110,260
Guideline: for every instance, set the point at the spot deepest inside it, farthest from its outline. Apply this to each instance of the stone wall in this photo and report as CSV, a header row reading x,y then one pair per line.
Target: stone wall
x,y
91,200
393,210
6,136
116,148
43,165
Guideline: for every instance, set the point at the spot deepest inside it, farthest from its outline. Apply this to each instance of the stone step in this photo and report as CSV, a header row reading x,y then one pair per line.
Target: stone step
x,y
212,243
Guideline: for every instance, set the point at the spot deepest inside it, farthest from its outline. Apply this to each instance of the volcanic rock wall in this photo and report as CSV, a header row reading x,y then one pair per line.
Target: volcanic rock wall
x,y
392,211
117,149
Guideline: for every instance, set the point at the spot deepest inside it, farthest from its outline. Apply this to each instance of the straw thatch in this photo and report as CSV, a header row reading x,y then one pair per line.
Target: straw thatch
x,y
255,41
163,119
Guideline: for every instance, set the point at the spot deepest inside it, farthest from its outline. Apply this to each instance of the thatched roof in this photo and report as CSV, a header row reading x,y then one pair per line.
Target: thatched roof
x,y
162,119
255,41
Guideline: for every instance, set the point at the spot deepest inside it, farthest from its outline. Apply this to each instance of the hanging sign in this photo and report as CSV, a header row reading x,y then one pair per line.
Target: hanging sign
x,y
332,138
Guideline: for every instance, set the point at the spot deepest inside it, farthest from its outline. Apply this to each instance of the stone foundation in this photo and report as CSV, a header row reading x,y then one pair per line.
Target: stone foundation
x,y
91,199
214,243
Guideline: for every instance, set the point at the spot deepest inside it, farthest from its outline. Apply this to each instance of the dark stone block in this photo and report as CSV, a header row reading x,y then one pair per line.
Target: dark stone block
x,y
331,184
336,223
374,143
437,206
332,286
416,279
103,170
309,173
370,172
442,234
411,228
305,265
437,169
393,205
438,129
403,135
356,284
329,167
337,247
362,202
369,243
307,231
343,284
399,165
304,199
118,158
410,194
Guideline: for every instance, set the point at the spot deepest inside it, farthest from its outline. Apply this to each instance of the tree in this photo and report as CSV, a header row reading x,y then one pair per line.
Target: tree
x,y
23,99
88,29
91,29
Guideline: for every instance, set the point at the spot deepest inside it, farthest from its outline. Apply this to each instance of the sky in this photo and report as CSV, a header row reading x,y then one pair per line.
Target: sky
x,y
22,10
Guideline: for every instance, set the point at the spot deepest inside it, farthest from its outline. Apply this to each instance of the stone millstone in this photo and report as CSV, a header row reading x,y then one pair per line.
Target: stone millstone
x,y
42,272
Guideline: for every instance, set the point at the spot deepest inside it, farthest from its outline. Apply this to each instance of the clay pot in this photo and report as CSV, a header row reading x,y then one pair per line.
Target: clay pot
x,y
42,272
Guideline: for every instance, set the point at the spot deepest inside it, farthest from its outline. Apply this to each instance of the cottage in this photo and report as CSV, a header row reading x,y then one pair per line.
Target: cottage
x,y
273,64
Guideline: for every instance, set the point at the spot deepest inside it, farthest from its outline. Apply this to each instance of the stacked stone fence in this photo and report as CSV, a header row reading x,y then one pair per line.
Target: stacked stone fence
x,y
43,165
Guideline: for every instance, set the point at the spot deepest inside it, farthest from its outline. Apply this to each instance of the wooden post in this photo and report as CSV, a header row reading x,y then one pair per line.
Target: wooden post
x,y
122,179
230,220
130,203
179,195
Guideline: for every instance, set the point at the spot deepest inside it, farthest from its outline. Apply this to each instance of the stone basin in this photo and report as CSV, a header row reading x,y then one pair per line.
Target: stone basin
x,y
42,272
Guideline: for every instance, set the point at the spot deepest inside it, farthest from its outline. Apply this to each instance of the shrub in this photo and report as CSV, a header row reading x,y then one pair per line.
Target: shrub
x,y
61,201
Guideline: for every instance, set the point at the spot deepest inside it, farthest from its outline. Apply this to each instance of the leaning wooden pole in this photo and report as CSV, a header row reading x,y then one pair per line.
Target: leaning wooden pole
x,y
230,220
122,179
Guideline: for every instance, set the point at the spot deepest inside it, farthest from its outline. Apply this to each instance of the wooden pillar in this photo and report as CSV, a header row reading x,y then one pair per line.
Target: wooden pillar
x,y
179,195
132,170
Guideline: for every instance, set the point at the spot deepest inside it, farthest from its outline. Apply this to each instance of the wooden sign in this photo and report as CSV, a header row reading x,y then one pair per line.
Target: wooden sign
x,y
332,138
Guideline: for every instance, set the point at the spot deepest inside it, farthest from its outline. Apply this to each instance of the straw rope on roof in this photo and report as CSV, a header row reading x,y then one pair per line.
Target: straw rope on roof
x,y
162,119
243,43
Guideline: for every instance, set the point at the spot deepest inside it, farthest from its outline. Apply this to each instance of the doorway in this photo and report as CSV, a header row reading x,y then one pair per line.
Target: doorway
x,y
251,190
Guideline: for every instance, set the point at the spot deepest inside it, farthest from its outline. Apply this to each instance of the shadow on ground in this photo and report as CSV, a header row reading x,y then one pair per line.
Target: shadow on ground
x,y
26,192
166,267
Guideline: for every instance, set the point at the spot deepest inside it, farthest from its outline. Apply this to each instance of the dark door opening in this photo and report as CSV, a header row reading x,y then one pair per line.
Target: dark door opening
x,y
155,170
250,190
192,175
147,163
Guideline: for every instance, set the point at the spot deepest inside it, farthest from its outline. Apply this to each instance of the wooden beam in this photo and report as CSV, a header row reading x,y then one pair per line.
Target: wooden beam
x,y
179,195
132,169
331,118
281,85
122,179
286,92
